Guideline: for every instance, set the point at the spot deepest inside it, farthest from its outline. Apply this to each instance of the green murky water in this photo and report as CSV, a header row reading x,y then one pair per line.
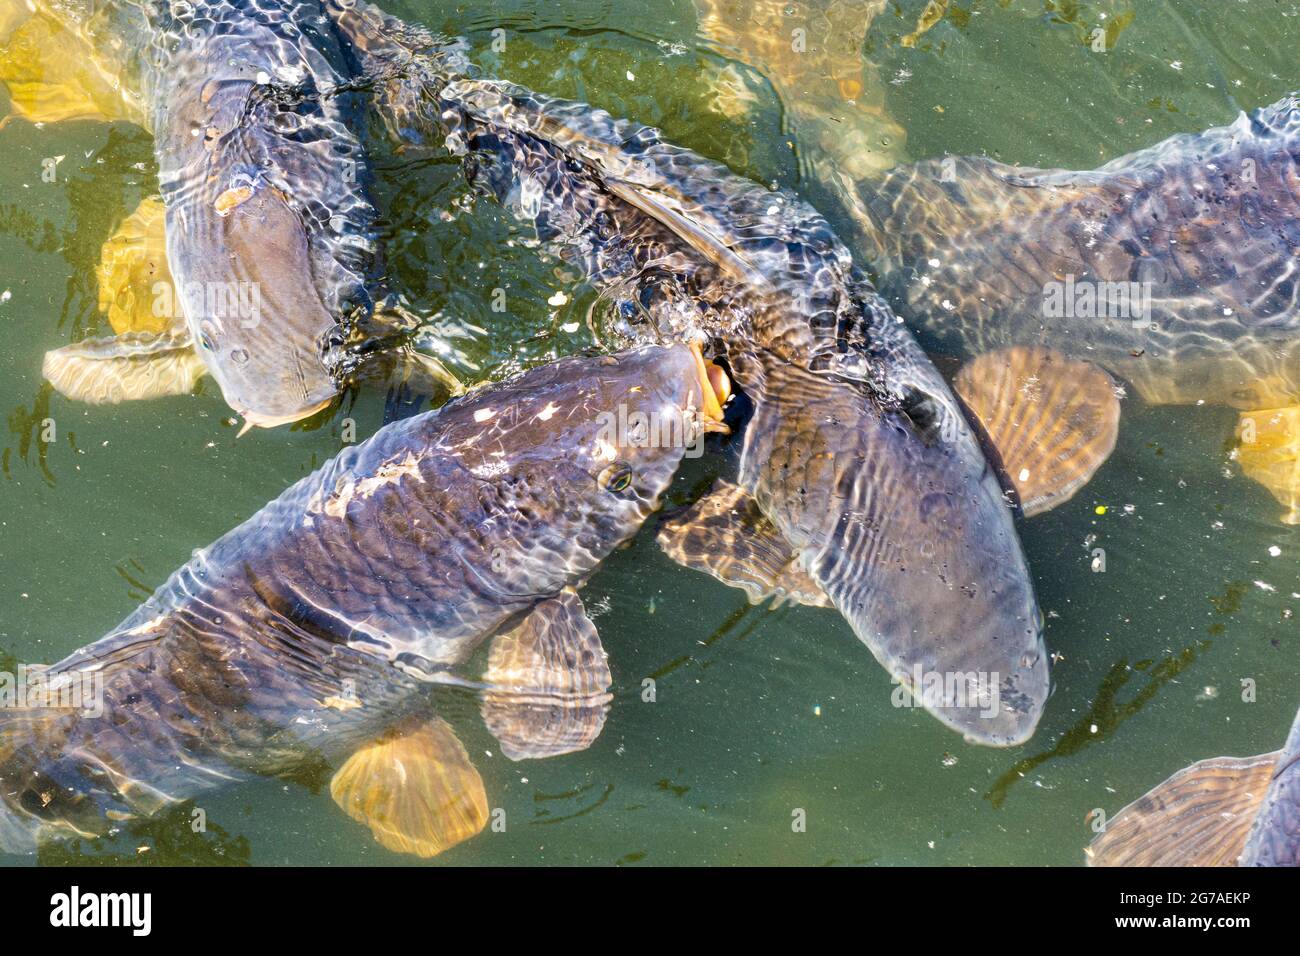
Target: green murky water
x,y
757,713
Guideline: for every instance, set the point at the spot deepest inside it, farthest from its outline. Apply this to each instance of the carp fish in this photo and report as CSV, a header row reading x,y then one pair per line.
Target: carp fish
x,y
861,484
1173,267
310,633
1227,811
267,282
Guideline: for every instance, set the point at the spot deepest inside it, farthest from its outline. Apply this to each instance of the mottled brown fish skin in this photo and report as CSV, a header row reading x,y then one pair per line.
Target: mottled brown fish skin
x,y
410,548
964,248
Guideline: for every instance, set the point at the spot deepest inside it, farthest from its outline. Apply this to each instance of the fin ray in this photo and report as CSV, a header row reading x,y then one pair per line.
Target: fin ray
x,y
137,365
724,534
132,263
549,682
1200,816
53,75
1269,453
1053,420
415,789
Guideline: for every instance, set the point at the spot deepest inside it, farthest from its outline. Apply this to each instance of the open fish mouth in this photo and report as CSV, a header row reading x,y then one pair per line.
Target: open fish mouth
x,y
715,387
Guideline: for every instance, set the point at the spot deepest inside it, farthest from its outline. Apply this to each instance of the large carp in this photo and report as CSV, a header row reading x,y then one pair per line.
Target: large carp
x,y
861,484
304,636
270,252
1227,811
1174,267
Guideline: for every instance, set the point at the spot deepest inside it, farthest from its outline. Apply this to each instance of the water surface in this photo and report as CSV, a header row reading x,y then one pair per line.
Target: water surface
x,y
757,713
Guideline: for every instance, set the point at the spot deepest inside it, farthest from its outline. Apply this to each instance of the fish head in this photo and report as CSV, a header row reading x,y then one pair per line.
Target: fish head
x,y
248,289
581,452
269,226
904,524
958,605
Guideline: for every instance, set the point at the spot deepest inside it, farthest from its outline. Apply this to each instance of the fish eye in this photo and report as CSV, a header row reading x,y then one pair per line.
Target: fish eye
x,y
616,478
205,337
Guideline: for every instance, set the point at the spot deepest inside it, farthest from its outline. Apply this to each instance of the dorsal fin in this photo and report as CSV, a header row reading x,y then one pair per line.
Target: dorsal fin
x,y
708,207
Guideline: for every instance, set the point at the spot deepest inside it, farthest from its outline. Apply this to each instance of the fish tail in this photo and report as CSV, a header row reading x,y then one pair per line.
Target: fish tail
x,y
89,745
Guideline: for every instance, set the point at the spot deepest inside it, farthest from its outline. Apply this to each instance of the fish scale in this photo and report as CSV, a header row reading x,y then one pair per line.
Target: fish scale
x,y
315,626
965,248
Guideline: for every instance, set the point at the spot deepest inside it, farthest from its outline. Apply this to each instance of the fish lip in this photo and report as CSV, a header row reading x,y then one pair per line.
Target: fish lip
x,y
1021,731
1005,729
260,420
712,402
1014,725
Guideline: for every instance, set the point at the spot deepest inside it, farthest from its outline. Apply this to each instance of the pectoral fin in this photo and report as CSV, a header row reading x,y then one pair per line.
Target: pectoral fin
x,y
549,682
124,368
53,74
1201,816
1053,420
1269,452
415,788
133,271
726,535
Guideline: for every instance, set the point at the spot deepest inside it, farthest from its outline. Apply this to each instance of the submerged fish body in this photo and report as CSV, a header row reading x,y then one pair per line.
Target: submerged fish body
x,y
1226,811
262,171
308,631
812,54
269,227
858,453
1174,266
